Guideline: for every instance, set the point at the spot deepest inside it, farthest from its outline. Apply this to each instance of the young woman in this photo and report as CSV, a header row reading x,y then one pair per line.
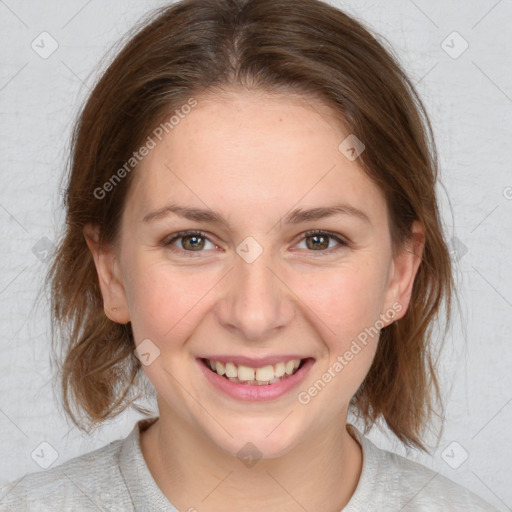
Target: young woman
x,y
252,225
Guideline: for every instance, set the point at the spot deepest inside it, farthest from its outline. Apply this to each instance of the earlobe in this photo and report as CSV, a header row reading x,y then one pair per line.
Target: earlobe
x,y
405,268
109,277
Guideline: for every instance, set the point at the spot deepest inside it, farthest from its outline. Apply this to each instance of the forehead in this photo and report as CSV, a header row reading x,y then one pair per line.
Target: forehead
x,y
251,151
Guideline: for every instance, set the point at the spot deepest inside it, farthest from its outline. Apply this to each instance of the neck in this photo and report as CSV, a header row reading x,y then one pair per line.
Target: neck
x,y
193,473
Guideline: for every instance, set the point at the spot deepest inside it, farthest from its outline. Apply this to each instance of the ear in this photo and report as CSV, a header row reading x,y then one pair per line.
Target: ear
x,y
110,277
403,271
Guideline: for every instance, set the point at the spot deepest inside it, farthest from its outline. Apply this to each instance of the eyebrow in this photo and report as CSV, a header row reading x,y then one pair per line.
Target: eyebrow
x,y
297,216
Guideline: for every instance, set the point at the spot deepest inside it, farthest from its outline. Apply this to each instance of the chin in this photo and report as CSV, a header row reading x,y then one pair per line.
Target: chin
x,y
265,439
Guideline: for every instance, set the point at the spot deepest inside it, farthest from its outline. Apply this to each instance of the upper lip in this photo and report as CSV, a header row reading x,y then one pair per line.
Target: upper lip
x,y
255,362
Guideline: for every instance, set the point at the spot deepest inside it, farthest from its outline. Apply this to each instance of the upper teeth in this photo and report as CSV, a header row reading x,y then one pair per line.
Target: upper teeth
x,y
246,373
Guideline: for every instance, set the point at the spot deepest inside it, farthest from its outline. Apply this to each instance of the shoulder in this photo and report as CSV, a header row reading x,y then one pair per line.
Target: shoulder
x,y
87,482
391,482
420,488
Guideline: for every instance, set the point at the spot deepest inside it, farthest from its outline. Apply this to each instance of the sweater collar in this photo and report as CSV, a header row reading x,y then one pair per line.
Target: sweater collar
x,y
146,495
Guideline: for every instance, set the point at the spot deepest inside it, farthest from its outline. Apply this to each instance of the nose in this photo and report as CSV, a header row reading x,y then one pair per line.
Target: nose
x,y
257,302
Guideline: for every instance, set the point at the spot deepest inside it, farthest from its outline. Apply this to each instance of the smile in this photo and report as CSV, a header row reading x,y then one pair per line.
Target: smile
x,y
255,383
265,375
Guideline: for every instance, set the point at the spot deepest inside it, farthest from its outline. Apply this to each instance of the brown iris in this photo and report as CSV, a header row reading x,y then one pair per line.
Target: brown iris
x,y
323,244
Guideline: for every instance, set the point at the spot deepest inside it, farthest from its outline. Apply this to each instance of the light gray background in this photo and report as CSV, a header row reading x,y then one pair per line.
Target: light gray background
x,y
469,99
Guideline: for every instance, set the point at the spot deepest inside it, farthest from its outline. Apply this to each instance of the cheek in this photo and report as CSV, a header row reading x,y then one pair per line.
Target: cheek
x,y
168,303
344,301
165,302
344,305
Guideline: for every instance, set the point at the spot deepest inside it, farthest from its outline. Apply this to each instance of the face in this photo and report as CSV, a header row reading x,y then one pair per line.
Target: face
x,y
254,278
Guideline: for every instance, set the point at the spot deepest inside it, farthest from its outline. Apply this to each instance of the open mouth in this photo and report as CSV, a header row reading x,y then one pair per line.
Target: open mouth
x,y
262,376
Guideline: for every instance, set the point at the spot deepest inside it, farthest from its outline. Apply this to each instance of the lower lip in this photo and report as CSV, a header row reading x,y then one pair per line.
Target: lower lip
x,y
254,393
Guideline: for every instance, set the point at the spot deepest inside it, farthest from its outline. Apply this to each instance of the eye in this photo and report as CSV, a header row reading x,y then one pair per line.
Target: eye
x,y
319,241
195,241
191,241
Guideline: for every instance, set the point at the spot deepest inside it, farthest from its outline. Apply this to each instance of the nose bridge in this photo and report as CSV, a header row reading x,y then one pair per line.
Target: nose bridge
x,y
256,303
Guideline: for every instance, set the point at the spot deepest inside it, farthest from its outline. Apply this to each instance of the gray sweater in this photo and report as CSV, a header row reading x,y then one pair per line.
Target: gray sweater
x,y
116,478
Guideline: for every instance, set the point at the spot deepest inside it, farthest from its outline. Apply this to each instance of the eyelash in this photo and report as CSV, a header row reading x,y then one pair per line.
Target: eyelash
x,y
324,252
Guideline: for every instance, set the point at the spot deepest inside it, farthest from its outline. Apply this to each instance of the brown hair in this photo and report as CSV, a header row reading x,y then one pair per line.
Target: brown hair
x,y
303,46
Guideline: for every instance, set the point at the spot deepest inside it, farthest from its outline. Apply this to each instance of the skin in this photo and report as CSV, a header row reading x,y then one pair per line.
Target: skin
x,y
253,157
